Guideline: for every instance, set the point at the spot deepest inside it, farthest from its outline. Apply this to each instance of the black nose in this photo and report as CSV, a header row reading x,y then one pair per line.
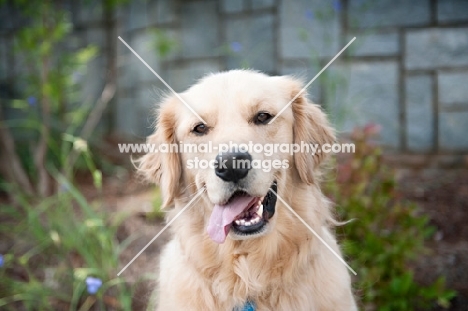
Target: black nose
x,y
233,166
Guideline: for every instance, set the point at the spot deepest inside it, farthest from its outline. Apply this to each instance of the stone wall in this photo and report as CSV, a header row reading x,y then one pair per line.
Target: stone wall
x,y
407,70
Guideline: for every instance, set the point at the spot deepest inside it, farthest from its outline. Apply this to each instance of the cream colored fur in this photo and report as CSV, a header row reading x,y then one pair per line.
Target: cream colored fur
x,y
287,268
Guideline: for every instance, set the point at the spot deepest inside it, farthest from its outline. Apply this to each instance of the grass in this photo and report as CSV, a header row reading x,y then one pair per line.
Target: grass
x,y
56,247
156,213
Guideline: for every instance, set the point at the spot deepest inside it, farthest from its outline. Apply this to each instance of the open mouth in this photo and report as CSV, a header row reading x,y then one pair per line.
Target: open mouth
x,y
244,214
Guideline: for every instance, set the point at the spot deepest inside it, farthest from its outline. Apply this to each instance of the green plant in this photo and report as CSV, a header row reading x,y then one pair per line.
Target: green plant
x,y
59,251
163,44
48,124
61,244
156,211
386,232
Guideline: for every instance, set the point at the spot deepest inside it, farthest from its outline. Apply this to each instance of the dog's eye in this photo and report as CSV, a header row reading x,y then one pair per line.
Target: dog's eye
x,y
200,129
262,118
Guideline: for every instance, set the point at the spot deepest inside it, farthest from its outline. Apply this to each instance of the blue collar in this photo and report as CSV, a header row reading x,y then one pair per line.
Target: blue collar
x,y
248,306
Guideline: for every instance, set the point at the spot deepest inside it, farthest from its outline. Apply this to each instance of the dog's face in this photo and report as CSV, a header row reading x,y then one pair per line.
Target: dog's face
x,y
240,178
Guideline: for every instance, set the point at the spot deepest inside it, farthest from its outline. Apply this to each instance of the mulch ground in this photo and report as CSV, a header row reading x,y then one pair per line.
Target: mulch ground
x,y
443,196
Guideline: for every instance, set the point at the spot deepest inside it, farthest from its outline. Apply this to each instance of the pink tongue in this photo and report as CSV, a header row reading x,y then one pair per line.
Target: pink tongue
x,y
223,215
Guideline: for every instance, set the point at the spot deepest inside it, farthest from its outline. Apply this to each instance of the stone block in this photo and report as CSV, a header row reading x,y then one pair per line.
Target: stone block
x,y
88,12
419,113
147,100
452,10
375,44
370,95
140,14
185,75
436,47
94,79
125,117
149,95
145,120
250,43
136,15
305,72
453,88
11,18
3,58
78,39
453,130
308,29
199,29
232,6
97,37
173,36
144,43
125,64
165,11
262,4
385,13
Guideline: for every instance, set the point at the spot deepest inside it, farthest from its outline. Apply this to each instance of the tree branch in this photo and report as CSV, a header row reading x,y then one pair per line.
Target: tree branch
x,y
91,123
10,164
43,185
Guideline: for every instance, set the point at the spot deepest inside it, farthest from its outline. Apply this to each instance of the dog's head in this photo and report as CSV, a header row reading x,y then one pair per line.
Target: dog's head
x,y
235,167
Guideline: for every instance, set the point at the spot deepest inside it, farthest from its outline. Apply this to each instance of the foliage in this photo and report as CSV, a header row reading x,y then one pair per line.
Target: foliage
x,y
48,115
386,232
60,251
162,43
156,212
64,256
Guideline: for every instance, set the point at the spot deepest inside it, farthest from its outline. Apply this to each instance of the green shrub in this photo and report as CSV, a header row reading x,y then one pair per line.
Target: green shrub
x,y
156,212
58,247
49,121
385,233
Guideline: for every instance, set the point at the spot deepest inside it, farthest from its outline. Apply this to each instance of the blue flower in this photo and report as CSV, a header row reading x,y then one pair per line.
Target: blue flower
x,y
236,46
32,101
2,260
309,14
337,5
93,284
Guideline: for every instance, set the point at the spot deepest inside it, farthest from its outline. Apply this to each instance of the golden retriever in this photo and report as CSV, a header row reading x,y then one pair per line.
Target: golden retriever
x,y
238,243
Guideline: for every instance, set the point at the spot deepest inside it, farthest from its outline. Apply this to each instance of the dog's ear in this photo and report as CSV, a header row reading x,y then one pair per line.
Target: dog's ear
x,y
310,126
163,169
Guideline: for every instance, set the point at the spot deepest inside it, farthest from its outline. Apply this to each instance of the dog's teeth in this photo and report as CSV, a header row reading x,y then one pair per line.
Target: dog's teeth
x,y
247,223
237,222
242,222
260,211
